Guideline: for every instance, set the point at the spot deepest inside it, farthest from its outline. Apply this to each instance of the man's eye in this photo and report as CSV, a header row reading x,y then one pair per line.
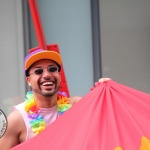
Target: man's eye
x,y
52,69
38,71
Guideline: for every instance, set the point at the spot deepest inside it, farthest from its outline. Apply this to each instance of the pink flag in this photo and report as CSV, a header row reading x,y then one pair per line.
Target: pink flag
x,y
110,117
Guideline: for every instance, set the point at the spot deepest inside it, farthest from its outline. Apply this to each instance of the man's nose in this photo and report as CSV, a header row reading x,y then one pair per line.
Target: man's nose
x,y
46,73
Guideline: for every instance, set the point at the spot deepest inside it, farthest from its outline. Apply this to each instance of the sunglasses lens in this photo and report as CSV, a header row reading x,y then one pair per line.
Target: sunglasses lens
x,y
38,71
52,69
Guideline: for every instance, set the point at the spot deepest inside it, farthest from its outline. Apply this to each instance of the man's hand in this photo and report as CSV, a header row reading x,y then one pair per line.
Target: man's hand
x,y
104,79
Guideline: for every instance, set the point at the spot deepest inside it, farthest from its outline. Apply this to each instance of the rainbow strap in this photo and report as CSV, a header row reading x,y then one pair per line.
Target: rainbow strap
x,y
36,120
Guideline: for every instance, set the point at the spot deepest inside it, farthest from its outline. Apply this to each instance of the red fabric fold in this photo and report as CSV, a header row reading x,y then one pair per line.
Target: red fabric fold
x,y
111,115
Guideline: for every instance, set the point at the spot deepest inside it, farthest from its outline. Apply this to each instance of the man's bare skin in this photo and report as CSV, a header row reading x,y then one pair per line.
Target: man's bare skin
x,y
16,130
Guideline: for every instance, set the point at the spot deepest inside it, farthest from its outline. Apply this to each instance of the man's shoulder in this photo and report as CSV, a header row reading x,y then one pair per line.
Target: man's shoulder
x,y
15,129
14,115
73,100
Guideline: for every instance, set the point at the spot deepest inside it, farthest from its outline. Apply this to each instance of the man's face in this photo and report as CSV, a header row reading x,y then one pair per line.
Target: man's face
x,y
47,83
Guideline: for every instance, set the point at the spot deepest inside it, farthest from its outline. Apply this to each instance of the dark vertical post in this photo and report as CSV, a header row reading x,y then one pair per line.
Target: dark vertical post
x,y
96,39
26,31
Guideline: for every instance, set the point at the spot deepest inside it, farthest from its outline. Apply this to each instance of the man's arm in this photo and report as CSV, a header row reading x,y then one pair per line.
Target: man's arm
x,y
73,100
12,134
104,79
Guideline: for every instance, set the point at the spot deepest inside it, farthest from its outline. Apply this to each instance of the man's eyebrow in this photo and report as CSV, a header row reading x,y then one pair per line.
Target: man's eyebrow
x,y
53,65
48,66
37,67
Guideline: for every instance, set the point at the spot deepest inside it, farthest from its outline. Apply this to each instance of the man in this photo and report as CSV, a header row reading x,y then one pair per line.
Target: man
x,y
43,105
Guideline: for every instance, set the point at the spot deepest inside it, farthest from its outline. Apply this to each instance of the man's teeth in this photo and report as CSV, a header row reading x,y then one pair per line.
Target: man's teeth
x,y
48,83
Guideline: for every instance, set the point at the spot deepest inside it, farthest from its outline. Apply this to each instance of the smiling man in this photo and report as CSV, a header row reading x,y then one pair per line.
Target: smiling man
x,y
44,104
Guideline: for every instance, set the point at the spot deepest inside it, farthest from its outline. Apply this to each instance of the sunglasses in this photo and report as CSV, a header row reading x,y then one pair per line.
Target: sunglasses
x,y
50,69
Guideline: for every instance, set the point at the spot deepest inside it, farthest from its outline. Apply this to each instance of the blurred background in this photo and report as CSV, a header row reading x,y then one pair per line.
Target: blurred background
x,y
96,38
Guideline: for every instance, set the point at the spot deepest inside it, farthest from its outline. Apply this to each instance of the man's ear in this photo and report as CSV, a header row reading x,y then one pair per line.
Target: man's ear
x,y
28,80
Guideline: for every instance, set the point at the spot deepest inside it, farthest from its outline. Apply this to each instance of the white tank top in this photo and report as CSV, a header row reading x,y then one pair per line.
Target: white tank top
x,y
49,114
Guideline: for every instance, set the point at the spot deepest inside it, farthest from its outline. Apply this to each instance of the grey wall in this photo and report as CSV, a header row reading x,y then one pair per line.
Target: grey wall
x,y
125,42
68,23
12,83
125,34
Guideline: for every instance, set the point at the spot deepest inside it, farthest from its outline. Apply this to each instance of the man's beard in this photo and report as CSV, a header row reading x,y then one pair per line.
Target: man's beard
x,y
48,93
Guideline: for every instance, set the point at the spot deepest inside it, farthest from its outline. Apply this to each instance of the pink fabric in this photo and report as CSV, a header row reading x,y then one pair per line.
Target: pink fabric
x,y
110,116
50,115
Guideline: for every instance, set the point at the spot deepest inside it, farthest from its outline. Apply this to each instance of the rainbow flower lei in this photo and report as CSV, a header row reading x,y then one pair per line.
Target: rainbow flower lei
x,y
36,120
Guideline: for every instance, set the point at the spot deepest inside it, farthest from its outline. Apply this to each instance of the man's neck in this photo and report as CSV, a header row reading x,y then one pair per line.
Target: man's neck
x,y
45,102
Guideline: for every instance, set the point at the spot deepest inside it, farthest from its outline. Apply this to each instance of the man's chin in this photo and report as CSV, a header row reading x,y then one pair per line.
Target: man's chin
x,y
49,93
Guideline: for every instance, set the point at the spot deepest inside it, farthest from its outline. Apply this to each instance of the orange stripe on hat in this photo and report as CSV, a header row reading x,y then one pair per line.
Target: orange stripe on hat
x,y
39,55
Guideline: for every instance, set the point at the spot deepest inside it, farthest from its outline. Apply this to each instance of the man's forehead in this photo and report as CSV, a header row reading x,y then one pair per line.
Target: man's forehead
x,y
43,62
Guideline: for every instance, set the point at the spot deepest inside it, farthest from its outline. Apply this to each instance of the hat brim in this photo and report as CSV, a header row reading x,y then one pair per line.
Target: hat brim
x,y
44,54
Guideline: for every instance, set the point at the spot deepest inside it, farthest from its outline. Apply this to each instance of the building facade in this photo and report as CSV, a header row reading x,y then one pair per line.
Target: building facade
x,y
97,38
